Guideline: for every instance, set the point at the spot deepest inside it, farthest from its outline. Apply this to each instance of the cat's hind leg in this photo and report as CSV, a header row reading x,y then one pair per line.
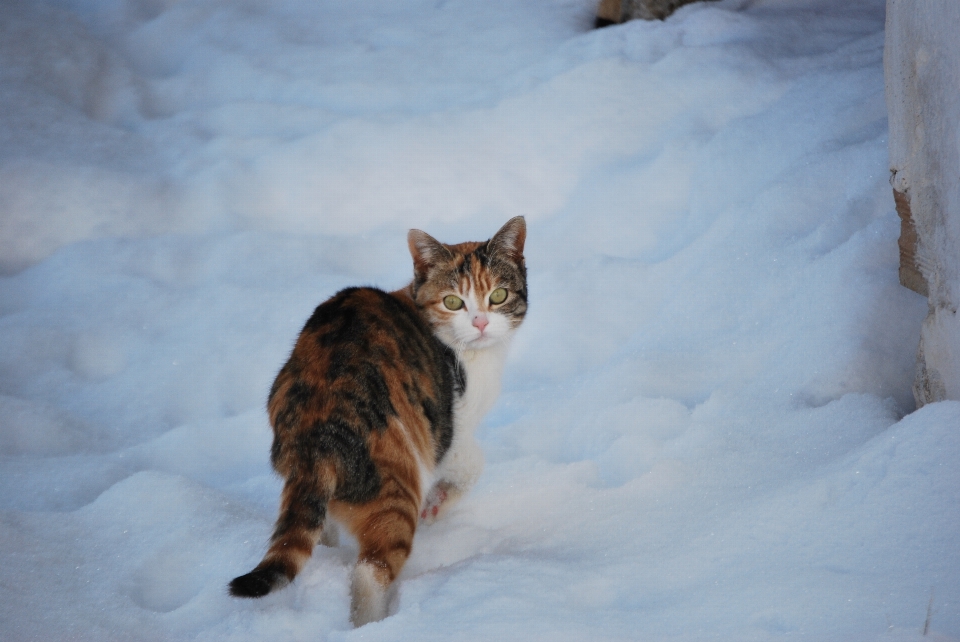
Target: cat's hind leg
x,y
368,593
330,535
384,528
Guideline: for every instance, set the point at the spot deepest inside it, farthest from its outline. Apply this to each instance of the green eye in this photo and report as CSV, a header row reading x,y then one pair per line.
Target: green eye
x,y
498,296
453,302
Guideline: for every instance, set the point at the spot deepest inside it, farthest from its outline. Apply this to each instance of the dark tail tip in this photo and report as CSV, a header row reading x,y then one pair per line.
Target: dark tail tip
x,y
258,582
600,23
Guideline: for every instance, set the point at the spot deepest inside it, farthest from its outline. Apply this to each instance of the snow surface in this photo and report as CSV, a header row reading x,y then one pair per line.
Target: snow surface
x,y
705,428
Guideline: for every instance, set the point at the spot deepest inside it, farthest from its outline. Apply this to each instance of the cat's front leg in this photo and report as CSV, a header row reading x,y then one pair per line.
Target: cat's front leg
x,y
436,498
459,470
439,500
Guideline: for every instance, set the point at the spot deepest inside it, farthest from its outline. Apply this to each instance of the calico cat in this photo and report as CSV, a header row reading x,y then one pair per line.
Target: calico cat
x,y
374,413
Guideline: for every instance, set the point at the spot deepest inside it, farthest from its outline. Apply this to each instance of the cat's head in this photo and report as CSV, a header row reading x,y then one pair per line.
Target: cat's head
x,y
474,294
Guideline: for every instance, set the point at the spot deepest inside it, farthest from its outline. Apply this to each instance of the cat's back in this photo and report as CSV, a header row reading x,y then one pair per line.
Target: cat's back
x,y
366,325
364,358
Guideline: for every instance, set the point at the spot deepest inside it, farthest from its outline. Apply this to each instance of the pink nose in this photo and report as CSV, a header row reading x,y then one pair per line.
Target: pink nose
x,y
480,322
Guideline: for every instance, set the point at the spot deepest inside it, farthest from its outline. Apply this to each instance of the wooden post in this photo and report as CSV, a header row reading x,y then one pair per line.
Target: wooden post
x,y
608,13
910,276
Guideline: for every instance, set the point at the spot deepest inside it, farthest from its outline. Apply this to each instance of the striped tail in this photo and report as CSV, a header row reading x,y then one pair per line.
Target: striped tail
x,y
303,508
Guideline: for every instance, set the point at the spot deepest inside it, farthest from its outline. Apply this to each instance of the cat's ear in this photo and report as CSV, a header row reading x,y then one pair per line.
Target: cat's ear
x,y
426,252
508,242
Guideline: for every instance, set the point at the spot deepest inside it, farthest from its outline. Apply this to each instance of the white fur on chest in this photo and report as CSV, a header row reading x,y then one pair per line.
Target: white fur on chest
x,y
463,462
483,370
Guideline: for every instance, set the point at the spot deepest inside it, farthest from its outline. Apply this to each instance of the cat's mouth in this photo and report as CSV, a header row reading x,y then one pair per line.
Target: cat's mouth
x,y
481,341
473,342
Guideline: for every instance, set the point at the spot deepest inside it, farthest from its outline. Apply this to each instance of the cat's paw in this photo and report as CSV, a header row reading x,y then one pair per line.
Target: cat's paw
x,y
435,499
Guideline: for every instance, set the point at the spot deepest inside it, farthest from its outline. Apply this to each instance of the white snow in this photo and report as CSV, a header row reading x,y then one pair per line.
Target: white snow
x,y
705,429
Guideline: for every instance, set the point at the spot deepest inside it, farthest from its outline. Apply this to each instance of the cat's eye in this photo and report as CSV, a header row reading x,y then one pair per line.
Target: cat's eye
x,y
498,296
453,302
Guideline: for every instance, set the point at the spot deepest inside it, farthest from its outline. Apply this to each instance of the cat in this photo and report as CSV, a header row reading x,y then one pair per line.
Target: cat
x,y
374,413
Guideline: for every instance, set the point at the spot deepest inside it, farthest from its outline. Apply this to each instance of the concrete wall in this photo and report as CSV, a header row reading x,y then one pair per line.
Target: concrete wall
x,y
922,69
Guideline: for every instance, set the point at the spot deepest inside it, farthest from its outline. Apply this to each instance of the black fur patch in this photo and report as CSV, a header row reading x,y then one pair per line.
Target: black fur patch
x,y
358,478
259,581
